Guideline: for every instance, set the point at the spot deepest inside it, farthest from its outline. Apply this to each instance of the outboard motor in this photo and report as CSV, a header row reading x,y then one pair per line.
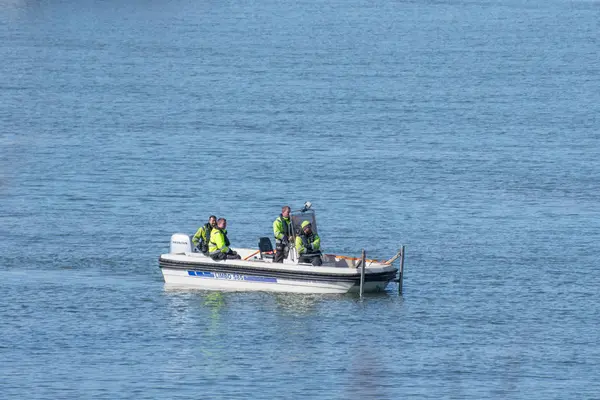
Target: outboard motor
x,y
180,243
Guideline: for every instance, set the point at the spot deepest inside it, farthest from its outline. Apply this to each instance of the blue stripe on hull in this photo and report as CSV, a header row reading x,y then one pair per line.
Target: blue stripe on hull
x,y
231,277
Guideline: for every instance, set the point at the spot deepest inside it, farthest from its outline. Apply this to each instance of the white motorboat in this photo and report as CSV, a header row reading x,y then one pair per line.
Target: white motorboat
x,y
256,270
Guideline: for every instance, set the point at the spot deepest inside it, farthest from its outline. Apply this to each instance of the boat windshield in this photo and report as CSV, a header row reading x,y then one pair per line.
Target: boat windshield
x,y
298,217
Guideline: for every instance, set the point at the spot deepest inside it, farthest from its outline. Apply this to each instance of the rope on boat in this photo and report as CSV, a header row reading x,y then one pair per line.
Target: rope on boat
x,y
352,258
256,252
391,260
253,254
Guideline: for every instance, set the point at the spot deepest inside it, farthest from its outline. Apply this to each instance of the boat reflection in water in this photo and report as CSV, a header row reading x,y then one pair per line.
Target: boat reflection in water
x,y
298,304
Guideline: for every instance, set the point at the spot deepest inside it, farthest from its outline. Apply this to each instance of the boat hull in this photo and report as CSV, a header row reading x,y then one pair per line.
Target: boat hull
x,y
238,282
204,273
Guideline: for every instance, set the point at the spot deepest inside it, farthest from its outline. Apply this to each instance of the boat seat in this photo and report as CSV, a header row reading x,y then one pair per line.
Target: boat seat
x,y
265,247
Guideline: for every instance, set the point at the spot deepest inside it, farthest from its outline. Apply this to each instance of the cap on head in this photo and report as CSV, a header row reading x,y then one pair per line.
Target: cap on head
x,y
305,224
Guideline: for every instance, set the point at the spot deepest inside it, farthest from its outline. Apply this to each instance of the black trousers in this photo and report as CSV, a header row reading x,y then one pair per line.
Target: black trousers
x,y
314,259
281,253
225,256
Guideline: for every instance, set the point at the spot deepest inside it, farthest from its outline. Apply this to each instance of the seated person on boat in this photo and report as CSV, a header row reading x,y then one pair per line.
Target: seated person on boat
x,y
308,245
202,236
218,247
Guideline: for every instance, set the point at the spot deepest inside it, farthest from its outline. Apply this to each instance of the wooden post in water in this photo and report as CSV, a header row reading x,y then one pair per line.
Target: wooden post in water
x,y
401,272
362,273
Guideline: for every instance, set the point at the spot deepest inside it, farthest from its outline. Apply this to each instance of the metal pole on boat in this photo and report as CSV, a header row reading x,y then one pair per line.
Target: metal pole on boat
x,y
362,272
401,271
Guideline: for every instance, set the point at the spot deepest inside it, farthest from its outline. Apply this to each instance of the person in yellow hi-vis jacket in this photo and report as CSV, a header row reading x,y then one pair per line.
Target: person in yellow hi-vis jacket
x,y
282,230
202,236
308,245
218,247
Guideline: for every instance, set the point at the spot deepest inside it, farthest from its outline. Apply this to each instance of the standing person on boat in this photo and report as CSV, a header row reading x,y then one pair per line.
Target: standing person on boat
x,y
308,245
282,229
218,246
202,236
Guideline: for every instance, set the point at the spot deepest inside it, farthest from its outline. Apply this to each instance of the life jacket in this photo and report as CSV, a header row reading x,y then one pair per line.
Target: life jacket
x,y
281,227
218,241
205,236
304,241
227,243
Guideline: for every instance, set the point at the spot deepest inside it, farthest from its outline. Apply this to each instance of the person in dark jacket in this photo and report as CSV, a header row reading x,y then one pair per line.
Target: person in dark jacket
x,y
308,245
202,236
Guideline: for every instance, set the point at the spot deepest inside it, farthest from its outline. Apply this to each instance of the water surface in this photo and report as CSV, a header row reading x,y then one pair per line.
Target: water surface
x,y
466,130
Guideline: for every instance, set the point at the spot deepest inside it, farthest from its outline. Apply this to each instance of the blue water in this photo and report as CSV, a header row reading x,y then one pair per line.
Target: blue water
x,y
467,130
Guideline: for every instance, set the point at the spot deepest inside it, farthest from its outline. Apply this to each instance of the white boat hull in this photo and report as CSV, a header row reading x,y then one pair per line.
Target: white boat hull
x,y
238,282
195,270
